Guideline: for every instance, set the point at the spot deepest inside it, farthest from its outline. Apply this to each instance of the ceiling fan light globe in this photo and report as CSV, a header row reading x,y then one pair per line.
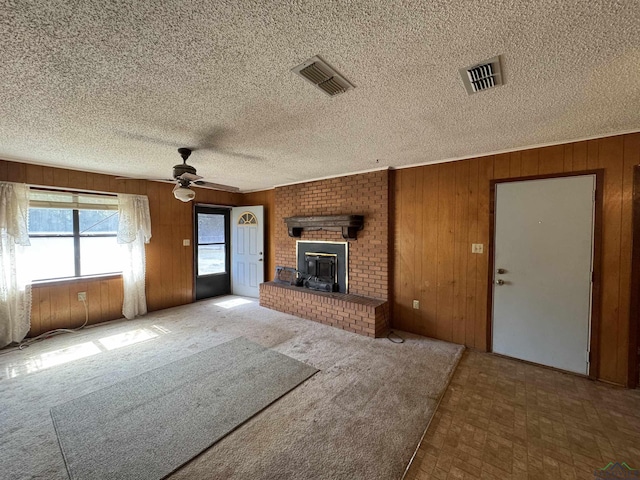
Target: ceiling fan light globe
x,y
184,194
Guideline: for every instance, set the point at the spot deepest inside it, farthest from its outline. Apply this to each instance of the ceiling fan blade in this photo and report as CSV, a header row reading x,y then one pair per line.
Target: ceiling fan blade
x,y
170,180
216,186
147,138
211,140
190,177
241,156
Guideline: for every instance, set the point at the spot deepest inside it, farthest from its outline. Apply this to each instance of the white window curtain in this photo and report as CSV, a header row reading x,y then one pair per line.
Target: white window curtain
x,y
134,230
15,289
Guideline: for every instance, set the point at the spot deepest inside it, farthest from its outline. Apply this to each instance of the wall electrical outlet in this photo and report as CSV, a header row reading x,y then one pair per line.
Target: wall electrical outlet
x,y
477,248
186,242
416,304
82,296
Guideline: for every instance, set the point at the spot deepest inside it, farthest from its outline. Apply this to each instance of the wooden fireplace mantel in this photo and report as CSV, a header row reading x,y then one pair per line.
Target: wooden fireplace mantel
x,y
347,224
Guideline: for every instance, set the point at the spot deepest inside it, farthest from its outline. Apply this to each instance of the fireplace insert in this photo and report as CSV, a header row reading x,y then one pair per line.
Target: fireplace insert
x,y
322,265
321,271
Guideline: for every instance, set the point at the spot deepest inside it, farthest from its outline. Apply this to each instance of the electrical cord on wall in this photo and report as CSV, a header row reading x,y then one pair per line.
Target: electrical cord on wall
x,y
58,331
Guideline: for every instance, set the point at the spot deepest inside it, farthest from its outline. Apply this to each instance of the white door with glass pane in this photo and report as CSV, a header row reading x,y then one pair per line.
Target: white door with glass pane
x,y
247,250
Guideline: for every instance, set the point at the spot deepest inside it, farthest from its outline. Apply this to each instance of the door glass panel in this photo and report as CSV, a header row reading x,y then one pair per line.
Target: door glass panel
x,y
210,228
211,244
211,259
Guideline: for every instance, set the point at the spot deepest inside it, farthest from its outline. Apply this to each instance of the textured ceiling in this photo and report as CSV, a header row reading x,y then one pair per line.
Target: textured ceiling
x,y
117,86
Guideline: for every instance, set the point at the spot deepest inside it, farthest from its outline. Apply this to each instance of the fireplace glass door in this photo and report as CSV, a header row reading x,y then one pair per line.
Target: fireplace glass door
x,y
322,266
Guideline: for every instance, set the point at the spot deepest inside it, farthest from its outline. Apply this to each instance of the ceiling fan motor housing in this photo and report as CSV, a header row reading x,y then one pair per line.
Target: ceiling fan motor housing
x,y
183,168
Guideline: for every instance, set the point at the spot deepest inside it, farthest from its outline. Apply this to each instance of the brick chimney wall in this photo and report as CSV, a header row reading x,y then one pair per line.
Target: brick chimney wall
x,y
364,194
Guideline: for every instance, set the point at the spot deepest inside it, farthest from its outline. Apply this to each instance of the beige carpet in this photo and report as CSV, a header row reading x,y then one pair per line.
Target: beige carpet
x,y
360,417
152,424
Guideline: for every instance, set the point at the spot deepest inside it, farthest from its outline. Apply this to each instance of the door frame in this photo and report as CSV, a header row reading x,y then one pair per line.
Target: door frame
x,y
194,243
596,293
634,311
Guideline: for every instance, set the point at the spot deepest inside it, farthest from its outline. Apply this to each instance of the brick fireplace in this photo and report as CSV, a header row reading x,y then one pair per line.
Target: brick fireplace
x,y
364,308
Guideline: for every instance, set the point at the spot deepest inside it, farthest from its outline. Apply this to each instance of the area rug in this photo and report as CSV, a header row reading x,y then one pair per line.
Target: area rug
x,y
146,427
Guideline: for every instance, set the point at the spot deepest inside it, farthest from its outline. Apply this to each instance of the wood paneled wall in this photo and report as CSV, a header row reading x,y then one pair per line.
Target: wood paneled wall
x,y
437,212
169,263
267,199
57,306
440,210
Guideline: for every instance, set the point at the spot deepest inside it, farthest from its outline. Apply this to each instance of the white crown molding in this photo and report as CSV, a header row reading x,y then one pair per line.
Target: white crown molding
x,y
517,149
329,177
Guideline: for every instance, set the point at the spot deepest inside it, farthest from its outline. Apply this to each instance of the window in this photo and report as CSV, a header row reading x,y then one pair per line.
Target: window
x,y
247,218
72,235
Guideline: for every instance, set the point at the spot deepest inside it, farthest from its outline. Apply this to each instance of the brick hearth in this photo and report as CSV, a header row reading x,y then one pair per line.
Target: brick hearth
x,y
354,313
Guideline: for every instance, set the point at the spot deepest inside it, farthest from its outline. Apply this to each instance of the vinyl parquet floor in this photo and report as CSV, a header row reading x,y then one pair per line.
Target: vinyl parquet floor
x,y
505,419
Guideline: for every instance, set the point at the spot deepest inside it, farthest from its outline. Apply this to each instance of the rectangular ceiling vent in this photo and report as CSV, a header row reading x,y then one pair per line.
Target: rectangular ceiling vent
x,y
322,75
483,76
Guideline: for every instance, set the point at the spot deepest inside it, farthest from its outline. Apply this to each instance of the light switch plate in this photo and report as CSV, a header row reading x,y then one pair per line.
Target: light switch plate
x,y
477,248
186,242
416,304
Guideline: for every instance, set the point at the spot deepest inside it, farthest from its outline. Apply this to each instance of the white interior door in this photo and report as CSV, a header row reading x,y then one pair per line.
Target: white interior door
x,y
247,250
543,254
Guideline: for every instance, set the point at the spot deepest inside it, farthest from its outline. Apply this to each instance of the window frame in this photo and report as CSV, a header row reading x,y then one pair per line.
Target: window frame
x,y
76,235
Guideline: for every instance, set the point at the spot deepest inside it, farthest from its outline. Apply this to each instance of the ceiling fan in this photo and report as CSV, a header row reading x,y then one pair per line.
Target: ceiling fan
x,y
185,175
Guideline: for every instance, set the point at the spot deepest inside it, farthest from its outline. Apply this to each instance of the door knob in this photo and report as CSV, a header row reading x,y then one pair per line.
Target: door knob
x,y
501,271
499,282
259,259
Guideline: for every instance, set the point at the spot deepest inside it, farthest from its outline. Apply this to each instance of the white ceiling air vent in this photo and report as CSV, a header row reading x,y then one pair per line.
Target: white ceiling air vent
x,y
323,76
483,76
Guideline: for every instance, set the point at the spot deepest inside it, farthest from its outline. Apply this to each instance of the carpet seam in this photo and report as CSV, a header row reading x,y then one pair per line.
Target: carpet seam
x,y
64,456
238,426
444,390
